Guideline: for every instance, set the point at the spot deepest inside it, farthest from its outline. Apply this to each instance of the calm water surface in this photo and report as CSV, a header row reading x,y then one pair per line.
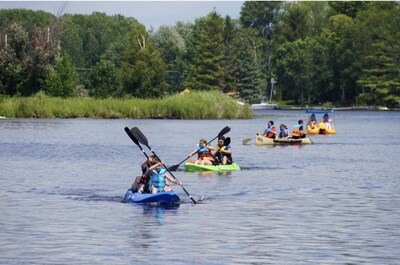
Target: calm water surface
x,y
334,202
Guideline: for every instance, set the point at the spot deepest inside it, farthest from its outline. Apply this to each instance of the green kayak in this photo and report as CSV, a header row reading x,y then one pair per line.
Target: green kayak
x,y
193,167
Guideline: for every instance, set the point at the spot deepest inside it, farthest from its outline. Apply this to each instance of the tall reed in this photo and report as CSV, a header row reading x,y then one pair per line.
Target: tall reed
x,y
195,105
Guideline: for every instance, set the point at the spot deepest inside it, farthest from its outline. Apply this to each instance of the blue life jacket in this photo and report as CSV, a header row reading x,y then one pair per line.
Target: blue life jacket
x,y
158,179
202,149
268,129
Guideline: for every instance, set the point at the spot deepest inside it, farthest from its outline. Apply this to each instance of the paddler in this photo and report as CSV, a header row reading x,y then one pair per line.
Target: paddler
x,y
223,154
204,152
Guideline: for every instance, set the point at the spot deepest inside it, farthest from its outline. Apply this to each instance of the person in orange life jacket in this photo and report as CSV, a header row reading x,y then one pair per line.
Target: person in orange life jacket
x,y
204,152
159,178
223,154
141,181
270,131
313,121
283,131
298,130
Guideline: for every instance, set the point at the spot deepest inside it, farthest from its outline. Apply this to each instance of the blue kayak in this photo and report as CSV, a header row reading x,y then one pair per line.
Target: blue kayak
x,y
162,197
319,111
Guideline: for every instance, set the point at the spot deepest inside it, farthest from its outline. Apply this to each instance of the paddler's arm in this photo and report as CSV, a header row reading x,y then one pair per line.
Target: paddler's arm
x,y
175,181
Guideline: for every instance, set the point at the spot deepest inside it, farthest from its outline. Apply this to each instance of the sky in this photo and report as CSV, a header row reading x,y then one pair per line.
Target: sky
x,y
148,13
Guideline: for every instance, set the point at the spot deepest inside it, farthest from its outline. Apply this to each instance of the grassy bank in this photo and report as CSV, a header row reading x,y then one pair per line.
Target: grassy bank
x,y
196,105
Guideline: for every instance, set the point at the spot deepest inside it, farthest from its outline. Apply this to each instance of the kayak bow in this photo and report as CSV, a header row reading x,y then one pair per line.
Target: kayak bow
x,y
161,197
194,167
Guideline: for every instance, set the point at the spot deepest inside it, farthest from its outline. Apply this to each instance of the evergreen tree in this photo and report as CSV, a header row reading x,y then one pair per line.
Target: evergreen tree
x,y
247,75
207,67
231,44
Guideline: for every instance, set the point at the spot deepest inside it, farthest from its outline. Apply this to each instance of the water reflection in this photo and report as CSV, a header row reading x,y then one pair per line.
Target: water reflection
x,y
150,222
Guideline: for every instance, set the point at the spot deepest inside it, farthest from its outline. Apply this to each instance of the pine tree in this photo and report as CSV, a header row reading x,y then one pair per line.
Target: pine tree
x,y
208,62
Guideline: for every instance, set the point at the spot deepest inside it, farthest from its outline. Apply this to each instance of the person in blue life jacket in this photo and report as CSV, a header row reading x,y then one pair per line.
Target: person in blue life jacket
x,y
313,121
283,131
142,182
327,121
204,153
270,130
223,155
159,178
298,130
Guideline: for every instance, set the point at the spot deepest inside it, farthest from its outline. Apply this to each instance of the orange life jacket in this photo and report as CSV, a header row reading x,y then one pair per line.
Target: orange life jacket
x,y
206,156
296,132
271,133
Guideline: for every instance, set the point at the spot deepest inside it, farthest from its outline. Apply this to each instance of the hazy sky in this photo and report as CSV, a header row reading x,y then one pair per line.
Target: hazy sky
x,y
149,13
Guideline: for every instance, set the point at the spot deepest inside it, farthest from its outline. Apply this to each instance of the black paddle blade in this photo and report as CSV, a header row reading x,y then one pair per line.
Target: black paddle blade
x,y
140,136
224,131
173,168
131,136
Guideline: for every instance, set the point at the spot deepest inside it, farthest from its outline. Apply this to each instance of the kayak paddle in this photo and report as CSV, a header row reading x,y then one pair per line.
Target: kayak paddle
x,y
143,140
135,140
245,141
221,133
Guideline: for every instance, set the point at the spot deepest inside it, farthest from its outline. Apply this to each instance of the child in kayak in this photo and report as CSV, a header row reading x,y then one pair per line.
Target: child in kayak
x,y
298,130
313,121
223,154
159,177
204,152
141,182
283,131
270,130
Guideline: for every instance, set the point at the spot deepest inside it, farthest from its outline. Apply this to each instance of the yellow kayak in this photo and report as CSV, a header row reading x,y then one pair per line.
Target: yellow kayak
x,y
322,128
262,140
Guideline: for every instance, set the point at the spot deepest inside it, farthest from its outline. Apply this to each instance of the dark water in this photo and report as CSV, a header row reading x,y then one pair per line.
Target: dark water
x,y
334,202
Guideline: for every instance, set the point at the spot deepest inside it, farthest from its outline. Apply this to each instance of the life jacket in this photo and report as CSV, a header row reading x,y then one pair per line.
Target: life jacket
x,y
158,179
312,124
270,132
283,133
204,153
296,131
220,155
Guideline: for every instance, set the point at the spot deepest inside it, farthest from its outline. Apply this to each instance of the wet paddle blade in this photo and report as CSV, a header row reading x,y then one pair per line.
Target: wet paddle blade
x,y
131,135
173,168
245,141
224,131
140,136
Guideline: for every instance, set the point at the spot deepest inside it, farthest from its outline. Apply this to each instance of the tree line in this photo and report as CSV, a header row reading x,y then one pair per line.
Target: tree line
x,y
336,53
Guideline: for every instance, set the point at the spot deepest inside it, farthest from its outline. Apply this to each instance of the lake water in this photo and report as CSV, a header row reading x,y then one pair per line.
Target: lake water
x,y
334,202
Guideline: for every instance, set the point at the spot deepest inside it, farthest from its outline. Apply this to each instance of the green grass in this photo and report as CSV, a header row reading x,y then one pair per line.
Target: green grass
x,y
196,105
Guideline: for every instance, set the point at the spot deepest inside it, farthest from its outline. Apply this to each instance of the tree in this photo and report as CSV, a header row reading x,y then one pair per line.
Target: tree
x,y
344,58
247,74
61,80
263,16
207,68
296,22
72,42
380,79
143,71
172,47
13,67
104,80
231,53
302,70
